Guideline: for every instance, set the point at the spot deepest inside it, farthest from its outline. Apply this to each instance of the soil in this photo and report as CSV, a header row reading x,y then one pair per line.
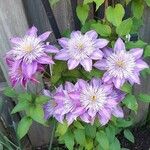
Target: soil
x,y
142,139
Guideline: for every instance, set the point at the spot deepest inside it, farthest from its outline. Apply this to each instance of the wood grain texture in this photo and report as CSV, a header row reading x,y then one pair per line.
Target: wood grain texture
x,y
12,23
36,16
145,83
63,15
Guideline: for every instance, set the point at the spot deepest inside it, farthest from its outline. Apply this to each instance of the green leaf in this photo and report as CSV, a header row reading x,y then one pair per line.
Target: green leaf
x,y
57,70
102,139
123,123
79,135
41,99
137,23
145,72
22,105
128,135
115,145
87,1
147,2
139,44
103,30
89,144
10,92
110,131
127,88
130,102
127,1
125,27
62,128
82,12
24,97
137,8
90,130
115,15
69,140
147,51
144,97
98,3
78,125
23,126
36,113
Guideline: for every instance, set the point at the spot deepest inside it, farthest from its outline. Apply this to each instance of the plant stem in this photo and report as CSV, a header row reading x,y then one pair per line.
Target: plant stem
x,y
52,136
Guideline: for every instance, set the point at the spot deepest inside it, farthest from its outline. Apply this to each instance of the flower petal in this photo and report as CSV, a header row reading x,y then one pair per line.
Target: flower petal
x,y
118,82
119,45
97,55
140,64
45,59
51,49
63,42
137,52
101,43
32,31
87,64
44,36
29,69
46,93
15,40
85,117
101,64
75,34
107,51
69,86
118,112
135,78
81,84
92,34
62,55
96,82
72,63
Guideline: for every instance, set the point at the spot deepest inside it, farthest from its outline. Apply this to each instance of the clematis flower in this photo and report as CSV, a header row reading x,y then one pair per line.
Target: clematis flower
x,y
81,49
67,105
99,100
30,51
16,74
121,65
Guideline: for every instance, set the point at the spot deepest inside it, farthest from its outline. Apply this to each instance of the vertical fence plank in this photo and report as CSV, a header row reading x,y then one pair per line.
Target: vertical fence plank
x,y
145,83
63,15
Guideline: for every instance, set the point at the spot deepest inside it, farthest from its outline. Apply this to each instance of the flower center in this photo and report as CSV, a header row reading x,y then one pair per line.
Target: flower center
x,y
94,98
120,63
53,103
27,48
80,47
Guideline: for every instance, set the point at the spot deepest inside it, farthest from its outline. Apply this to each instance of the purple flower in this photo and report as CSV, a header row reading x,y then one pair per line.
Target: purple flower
x,y
81,49
121,65
16,74
99,100
30,51
67,105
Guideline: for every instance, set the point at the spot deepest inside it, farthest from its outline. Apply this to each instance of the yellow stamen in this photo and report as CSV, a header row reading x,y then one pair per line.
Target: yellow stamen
x,y
93,98
120,64
27,48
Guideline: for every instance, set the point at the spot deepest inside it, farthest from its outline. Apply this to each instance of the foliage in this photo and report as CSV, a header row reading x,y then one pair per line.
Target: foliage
x,y
80,135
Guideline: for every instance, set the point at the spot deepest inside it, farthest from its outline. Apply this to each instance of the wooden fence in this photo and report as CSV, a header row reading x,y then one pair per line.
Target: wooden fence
x,y
16,16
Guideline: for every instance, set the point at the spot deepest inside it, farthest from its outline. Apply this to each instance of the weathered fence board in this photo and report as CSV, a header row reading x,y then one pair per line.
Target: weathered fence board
x,y
145,83
63,15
